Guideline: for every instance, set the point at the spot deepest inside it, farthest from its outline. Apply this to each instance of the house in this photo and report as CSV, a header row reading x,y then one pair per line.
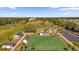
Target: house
x,y
33,18
44,33
52,32
25,40
18,35
8,45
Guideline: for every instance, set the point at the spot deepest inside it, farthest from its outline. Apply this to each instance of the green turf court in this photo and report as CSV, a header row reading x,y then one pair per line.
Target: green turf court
x,y
46,43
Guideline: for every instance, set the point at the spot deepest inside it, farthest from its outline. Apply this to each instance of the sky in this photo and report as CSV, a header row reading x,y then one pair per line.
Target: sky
x,y
39,12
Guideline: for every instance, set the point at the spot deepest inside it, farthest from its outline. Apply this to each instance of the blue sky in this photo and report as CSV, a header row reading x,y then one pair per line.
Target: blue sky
x,y
39,11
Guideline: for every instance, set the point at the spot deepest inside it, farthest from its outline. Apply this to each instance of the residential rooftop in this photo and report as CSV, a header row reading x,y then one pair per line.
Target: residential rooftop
x,y
9,43
20,34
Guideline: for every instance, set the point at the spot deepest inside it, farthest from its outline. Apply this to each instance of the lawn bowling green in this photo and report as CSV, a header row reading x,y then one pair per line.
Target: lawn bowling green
x,y
45,43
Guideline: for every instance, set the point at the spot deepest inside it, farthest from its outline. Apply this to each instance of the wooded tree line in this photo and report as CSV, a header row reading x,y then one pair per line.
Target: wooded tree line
x,y
67,23
4,21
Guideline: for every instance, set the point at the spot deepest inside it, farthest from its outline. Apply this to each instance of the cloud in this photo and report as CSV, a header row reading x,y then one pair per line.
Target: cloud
x,y
11,13
67,13
2,11
12,7
69,8
14,13
54,7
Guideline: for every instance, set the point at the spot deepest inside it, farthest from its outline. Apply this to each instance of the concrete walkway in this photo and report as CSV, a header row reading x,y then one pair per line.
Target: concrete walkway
x,y
68,41
18,43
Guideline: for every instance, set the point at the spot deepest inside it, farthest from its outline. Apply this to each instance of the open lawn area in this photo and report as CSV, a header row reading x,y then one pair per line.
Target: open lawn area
x,y
7,32
48,43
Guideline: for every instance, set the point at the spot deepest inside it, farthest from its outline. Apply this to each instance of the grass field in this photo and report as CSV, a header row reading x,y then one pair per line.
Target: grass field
x,y
7,32
46,43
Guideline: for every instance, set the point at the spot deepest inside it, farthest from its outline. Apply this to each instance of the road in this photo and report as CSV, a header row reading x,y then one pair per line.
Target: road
x,y
18,43
68,41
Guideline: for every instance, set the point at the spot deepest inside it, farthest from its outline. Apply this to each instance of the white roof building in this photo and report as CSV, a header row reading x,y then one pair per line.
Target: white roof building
x,y
44,33
18,35
8,45
31,19
25,40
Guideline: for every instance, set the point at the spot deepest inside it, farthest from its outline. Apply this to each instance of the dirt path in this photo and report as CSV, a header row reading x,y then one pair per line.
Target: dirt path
x,y
68,41
18,43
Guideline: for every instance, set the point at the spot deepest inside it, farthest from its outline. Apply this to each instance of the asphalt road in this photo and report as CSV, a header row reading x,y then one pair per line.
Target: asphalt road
x,y
18,43
66,39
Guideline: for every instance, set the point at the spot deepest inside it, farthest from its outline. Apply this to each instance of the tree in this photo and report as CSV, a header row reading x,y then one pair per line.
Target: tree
x,y
70,26
77,29
76,44
65,49
29,28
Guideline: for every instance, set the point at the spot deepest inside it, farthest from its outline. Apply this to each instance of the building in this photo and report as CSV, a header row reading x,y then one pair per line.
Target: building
x,y
18,35
44,33
8,45
33,18
52,32
25,40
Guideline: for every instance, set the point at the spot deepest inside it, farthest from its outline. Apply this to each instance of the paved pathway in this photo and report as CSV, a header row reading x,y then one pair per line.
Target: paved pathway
x,y
18,43
68,41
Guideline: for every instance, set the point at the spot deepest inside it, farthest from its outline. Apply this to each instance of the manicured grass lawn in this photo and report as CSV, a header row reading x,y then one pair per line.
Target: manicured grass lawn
x,y
46,43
